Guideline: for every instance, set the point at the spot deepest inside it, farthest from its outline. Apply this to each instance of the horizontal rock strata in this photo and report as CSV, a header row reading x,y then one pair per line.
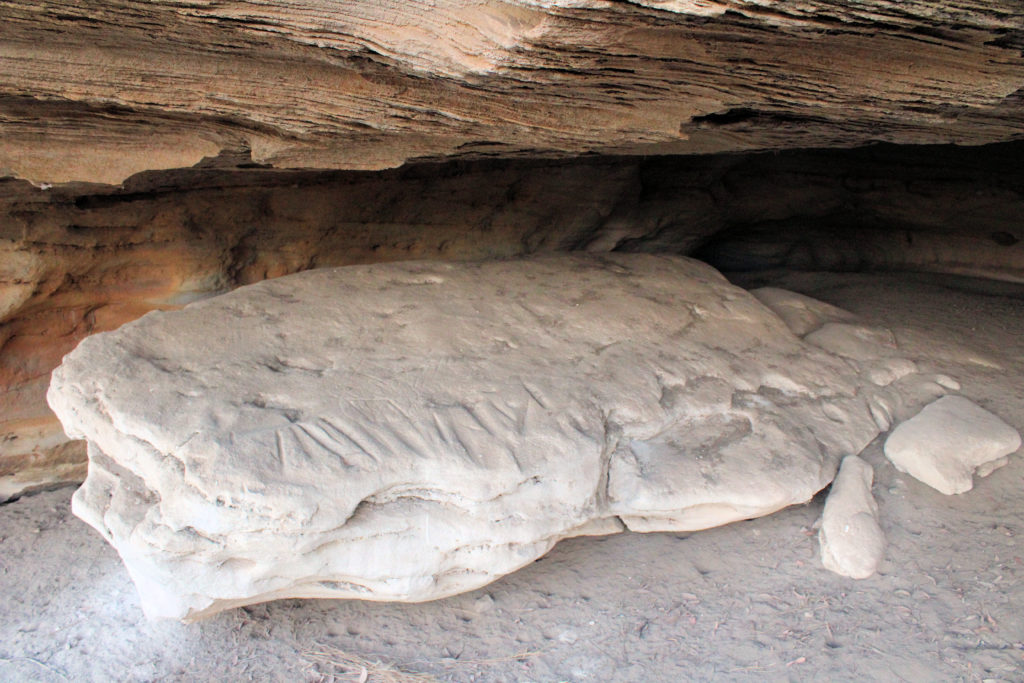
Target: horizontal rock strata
x,y
410,431
101,91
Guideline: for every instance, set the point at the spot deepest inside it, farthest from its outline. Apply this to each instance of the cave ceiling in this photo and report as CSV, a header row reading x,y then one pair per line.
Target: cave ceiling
x,y
101,90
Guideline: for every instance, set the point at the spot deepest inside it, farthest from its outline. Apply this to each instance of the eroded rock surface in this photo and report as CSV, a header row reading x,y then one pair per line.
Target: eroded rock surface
x,y
371,84
946,442
802,314
409,431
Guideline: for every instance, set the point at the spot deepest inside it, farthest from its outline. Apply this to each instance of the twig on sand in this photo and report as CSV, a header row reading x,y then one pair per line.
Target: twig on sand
x,y
517,657
11,660
357,669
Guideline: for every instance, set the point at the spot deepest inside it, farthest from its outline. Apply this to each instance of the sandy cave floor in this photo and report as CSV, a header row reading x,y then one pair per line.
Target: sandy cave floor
x,y
749,601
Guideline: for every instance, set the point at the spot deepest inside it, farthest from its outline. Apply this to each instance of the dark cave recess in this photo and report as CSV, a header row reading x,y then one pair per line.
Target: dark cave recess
x,y
935,208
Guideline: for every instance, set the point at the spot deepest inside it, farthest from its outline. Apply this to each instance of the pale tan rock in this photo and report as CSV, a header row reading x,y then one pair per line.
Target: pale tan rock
x,y
889,370
802,314
852,542
409,431
856,342
991,466
947,441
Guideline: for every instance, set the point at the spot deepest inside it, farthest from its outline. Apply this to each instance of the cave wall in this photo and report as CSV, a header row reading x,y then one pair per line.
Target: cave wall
x,y
155,152
79,258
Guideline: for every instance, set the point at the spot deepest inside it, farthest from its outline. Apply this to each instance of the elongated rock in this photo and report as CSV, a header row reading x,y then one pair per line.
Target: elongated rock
x,y
410,431
852,542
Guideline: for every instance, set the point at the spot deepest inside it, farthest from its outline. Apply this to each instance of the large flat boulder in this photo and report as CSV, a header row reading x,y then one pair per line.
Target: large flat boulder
x,y
414,430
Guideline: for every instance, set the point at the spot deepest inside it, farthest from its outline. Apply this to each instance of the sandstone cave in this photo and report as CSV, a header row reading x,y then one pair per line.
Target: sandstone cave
x,y
558,340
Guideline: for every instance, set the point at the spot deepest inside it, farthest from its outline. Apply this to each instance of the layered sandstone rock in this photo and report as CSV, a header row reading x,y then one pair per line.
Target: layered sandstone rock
x,y
101,91
409,431
107,92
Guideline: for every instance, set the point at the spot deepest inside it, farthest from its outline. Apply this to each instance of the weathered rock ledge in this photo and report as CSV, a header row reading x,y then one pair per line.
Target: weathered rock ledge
x,y
410,431
100,91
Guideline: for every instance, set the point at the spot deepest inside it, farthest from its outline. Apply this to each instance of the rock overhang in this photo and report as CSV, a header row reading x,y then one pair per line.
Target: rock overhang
x,y
372,85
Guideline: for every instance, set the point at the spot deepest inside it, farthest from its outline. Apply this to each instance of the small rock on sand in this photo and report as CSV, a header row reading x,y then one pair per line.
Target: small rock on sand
x,y
944,444
852,543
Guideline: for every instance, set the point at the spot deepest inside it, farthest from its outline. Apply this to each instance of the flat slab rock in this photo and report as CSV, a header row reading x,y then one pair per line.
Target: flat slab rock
x,y
947,441
411,431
